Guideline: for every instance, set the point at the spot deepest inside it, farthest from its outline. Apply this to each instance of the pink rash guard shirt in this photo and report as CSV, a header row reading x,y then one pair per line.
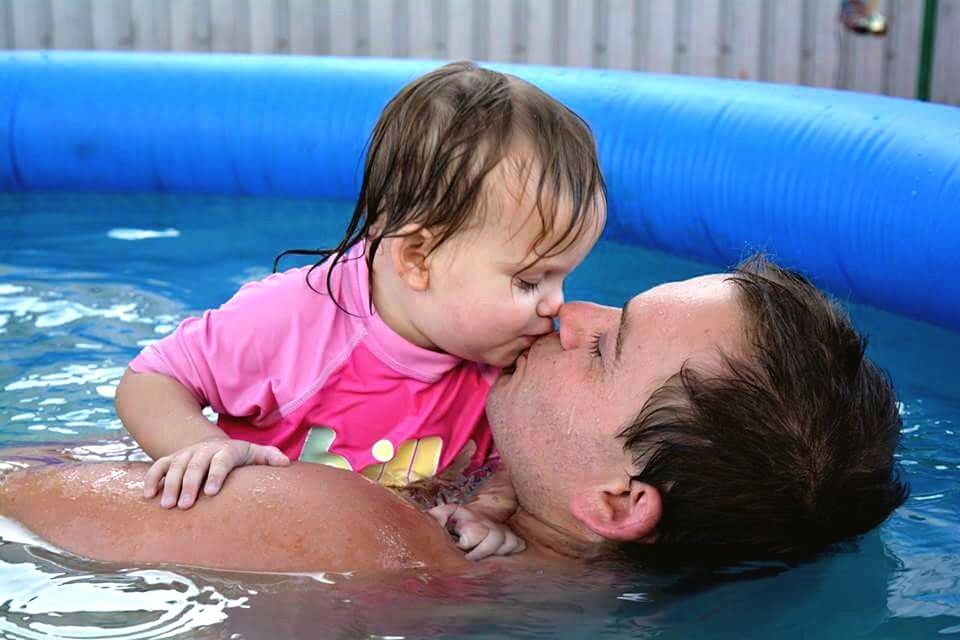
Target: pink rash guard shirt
x,y
283,366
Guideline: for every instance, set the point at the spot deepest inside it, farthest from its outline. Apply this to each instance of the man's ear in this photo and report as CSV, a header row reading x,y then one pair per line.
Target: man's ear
x,y
409,252
621,511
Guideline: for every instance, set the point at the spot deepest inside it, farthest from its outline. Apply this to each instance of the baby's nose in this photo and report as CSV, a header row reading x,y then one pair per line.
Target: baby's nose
x,y
550,303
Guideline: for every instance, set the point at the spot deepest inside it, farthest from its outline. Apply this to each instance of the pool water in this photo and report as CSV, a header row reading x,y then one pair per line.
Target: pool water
x,y
87,280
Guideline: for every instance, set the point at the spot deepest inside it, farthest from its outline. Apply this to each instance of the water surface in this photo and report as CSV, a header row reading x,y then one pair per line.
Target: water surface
x,y
88,280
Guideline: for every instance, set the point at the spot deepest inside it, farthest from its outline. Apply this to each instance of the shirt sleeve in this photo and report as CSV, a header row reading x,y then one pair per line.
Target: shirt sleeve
x,y
235,359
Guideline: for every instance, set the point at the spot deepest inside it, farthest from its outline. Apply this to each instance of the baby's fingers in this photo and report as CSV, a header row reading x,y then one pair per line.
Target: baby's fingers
x,y
260,454
172,480
488,545
151,481
442,513
193,477
512,543
221,464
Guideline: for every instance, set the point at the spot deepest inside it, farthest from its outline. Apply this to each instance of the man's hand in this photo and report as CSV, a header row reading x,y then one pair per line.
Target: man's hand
x,y
477,534
182,472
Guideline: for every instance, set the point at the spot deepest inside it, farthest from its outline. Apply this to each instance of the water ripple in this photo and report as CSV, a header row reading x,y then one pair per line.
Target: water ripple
x,y
52,595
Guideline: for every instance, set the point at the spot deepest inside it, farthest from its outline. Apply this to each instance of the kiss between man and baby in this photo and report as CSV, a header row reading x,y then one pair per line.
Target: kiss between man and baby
x,y
723,417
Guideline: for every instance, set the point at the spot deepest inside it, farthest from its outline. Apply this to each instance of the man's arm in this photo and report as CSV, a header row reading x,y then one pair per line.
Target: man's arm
x,y
320,519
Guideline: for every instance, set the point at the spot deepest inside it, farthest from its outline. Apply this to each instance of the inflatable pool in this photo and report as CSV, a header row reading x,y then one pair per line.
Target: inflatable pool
x,y
862,192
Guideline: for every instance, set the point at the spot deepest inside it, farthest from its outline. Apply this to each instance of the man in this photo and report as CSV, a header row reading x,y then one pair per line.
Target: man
x,y
721,417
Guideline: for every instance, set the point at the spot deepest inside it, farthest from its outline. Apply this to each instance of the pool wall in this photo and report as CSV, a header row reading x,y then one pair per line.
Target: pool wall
x,y
860,191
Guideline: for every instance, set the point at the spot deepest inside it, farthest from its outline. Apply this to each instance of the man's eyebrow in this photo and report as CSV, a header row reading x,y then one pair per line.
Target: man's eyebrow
x,y
622,329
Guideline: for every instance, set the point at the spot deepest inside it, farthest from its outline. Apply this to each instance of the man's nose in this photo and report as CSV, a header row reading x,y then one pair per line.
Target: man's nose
x,y
577,320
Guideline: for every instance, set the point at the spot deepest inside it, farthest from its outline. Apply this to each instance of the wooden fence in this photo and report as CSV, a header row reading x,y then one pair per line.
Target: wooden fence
x,y
794,41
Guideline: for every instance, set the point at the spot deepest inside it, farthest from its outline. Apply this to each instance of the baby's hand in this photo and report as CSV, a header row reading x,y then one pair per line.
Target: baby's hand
x,y
183,471
477,534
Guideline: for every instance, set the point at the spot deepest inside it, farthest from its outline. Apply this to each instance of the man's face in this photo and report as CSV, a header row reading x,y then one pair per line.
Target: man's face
x,y
555,419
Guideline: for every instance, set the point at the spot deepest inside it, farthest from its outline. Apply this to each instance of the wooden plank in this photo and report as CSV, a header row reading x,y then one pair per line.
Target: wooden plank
x,y
641,34
439,18
321,31
460,30
342,37
421,29
262,26
402,38
361,27
181,24
6,25
190,25
704,38
72,24
520,30
500,30
661,27
222,27
766,42
540,32
230,25
902,50
302,27
480,38
725,66
742,53
112,23
580,33
242,26
782,50
681,37
620,34
865,62
382,28
945,81
559,32
826,31
151,24
808,42
32,24
600,38
222,30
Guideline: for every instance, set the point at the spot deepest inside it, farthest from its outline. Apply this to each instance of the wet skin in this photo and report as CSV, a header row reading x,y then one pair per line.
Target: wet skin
x,y
305,517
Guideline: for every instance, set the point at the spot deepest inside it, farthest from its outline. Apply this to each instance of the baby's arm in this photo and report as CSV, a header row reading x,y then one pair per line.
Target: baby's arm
x,y
227,358
168,423
161,414
480,524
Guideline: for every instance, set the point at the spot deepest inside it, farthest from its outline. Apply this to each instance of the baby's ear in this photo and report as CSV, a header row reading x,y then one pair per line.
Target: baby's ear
x,y
410,250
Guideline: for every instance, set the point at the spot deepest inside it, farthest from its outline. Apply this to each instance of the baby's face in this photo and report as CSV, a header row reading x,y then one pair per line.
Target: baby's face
x,y
490,293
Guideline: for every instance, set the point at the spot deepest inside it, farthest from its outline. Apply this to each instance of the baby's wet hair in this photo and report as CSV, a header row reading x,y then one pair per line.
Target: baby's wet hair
x,y
440,137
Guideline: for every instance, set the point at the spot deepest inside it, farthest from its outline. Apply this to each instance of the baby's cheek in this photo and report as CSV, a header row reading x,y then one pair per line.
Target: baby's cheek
x,y
459,313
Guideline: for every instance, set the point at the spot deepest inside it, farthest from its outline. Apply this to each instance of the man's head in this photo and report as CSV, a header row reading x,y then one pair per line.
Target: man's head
x,y
723,416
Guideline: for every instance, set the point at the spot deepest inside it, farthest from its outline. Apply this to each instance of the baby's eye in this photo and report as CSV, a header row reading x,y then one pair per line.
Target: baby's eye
x,y
527,286
595,345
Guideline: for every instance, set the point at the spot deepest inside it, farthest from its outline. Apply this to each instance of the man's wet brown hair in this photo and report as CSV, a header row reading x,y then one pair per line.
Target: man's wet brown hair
x,y
785,452
444,133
